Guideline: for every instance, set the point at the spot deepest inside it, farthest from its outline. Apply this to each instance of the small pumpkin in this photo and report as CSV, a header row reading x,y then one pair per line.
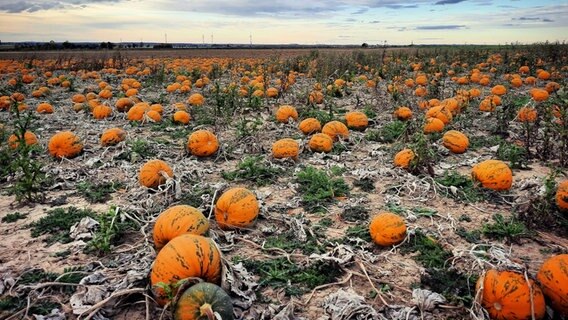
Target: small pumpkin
x,y
181,117
101,111
403,113
153,116
553,277
152,173
112,137
29,138
44,108
562,196
64,144
124,104
321,142
285,148
440,112
285,112
187,255
455,141
196,99
387,229
309,126
202,143
236,208
336,130
178,220
493,174
203,301
356,120
404,158
506,295
539,95
433,125
527,114
499,90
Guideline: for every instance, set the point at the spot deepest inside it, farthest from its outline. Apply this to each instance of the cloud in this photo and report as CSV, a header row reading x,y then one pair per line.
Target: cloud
x,y
443,2
34,5
401,6
441,27
374,22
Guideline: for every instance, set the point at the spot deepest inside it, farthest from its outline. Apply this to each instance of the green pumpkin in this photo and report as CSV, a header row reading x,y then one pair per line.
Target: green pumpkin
x,y
201,301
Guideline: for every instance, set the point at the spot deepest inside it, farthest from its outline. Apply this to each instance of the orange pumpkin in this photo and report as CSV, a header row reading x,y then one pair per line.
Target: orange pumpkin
x,y
285,148
309,126
236,208
562,196
321,142
153,116
112,137
403,113
433,125
493,174
64,144
527,114
285,112
272,92
178,220
553,277
196,99
356,120
336,130
101,111
440,112
455,141
539,95
499,90
153,173
316,97
202,143
181,117
44,108
124,104
29,139
387,229
404,158
506,295
79,98
187,255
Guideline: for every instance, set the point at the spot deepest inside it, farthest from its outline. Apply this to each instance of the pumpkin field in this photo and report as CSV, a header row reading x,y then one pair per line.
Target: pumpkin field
x,y
372,183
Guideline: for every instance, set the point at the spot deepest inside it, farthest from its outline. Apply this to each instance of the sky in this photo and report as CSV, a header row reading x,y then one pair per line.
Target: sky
x,y
280,21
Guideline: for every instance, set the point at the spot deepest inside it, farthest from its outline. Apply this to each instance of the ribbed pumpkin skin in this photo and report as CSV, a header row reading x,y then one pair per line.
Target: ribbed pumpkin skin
x,y
562,196
455,141
150,175
286,112
189,304
336,130
440,112
433,125
506,296
202,143
285,148
403,158
176,221
112,137
387,229
64,145
185,256
493,174
553,277
309,125
321,142
356,120
237,207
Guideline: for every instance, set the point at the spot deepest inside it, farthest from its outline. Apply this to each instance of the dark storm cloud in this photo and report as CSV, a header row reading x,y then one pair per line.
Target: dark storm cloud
x,y
442,2
441,27
35,5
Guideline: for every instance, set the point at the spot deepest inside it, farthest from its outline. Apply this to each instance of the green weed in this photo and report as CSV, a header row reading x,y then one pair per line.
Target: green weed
x,y
319,189
255,170
509,229
58,222
13,217
98,192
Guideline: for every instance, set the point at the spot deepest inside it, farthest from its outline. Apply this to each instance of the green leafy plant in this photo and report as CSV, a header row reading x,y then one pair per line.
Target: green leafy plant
x,y
319,189
98,192
509,229
459,187
253,169
430,252
58,222
516,155
109,231
13,217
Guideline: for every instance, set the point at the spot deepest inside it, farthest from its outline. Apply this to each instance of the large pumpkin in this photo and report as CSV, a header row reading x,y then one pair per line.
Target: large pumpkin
x,y
493,174
506,295
356,120
176,221
336,130
433,125
187,255
112,137
455,141
64,144
321,142
202,143
309,126
403,158
387,229
202,301
237,207
152,173
285,112
562,196
285,148
553,277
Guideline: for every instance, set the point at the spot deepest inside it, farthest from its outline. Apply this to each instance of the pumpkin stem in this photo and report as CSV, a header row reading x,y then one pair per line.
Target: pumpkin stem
x,y
206,310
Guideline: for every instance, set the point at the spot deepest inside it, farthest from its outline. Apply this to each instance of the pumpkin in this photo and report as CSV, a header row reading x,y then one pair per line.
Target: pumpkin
x,y
79,98
272,92
178,220
316,97
499,90
136,113
202,143
487,105
562,196
44,108
493,174
543,75
336,130
196,99
403,113
321,142
455,141
236,208
433,125
29,138
112,137
553,277
404,158
101,111
527,114
105,94
285,148
539,95
285,112
309,126
124,104
203,301
187,255
64,144
153,116
440,112
356,120
152,173
387,229
181,117
131,92
507,295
